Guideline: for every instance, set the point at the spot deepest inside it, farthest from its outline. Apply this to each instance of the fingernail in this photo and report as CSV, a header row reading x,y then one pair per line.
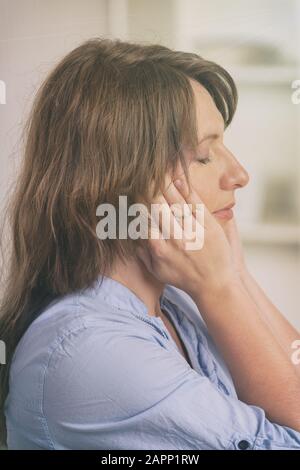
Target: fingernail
x,y
178,183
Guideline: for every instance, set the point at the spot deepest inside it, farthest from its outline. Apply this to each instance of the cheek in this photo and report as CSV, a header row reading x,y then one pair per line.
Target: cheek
x,y
205,184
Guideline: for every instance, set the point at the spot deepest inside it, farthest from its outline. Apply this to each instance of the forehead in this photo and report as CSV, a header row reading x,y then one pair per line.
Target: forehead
x,y
209,118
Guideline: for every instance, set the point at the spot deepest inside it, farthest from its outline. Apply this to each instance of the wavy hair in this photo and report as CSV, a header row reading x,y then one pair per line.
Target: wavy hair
x,y
110,118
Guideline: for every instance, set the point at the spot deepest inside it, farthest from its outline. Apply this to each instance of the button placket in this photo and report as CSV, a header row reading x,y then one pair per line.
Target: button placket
x,y
243,444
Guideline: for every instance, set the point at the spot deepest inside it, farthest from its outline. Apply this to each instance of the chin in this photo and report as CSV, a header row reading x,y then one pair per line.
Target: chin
x,y
224,216
221,222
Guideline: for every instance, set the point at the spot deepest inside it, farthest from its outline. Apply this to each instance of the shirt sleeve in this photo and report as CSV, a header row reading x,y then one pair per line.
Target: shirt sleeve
x,y
126,391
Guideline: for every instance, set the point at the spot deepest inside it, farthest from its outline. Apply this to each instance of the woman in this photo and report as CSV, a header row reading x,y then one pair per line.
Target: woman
x,y
123,343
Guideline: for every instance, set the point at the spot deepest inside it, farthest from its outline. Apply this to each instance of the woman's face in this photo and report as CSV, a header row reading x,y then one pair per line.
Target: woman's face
x,y
217,178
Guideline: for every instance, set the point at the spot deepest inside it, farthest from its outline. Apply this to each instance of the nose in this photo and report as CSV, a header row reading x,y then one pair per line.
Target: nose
x,y
235,175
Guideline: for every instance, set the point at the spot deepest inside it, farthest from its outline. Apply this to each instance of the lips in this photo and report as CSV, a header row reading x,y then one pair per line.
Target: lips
x,y
226,213
225,208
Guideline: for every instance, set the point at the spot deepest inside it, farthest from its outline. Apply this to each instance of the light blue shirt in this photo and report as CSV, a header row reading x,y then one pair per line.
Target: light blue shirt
x,y
96,371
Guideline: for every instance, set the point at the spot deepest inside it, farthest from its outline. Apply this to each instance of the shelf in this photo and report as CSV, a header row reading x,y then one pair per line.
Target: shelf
x,y
271,234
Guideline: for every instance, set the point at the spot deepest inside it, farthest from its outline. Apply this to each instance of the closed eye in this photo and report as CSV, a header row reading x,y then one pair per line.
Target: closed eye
x,y
204,161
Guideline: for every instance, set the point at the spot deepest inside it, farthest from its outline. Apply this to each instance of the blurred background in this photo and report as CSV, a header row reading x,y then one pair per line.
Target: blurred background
x,y
257,41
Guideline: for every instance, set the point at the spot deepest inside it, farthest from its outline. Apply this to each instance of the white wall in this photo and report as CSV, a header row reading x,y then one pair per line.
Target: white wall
x,y
34,35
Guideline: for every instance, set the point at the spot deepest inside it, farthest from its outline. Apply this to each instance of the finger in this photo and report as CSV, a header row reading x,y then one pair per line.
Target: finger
x,y
176,201
187,191
193,199
232,233
178,205
165,219
156,208
146,223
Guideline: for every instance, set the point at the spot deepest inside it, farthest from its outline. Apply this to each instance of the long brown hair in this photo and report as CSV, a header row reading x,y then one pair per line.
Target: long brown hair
x,y
111,117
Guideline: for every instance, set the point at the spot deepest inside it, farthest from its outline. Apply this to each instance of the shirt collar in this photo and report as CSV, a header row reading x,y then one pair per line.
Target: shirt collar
x,y
117,294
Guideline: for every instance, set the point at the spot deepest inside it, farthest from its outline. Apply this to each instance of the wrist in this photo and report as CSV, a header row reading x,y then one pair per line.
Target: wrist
x,y
215,290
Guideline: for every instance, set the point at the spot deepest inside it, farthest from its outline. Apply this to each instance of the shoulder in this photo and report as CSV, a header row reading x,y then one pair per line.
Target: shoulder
x,y
74,321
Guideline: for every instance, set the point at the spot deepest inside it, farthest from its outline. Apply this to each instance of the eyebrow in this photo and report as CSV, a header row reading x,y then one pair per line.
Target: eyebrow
x,y
209,136
213,135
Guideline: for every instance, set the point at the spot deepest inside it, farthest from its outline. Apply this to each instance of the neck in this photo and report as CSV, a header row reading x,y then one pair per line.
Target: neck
x,y
132,274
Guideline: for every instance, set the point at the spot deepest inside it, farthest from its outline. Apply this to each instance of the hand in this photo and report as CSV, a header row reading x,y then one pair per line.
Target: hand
x,y
233,237
169,260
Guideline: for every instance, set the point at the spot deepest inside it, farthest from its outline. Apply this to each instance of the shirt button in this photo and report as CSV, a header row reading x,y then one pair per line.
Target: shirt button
x,y
243,445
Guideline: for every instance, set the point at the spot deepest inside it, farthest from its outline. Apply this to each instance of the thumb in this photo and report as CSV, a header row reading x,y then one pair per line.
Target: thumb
x,y
231,232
